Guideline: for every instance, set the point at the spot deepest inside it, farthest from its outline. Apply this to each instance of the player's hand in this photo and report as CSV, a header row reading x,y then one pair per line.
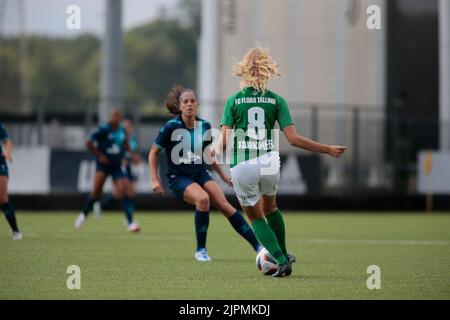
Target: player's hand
x,y
227,180
103,159
212,153
136,158
157,187
8,157
209,155
336,151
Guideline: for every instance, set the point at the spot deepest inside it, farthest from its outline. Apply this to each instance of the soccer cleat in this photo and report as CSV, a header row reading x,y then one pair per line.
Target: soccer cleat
x,y
17,235
202,255
134,227
284,270
97,209
291,258
80,221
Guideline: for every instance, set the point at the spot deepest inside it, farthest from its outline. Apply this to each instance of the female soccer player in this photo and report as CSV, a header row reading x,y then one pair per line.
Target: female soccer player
x,y
7,207
188,177
131,157
252,113
109,143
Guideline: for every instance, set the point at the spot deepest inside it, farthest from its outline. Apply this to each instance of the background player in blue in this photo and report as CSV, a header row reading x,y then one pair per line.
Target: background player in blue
x,y
109,143
132,157
188,177
7,208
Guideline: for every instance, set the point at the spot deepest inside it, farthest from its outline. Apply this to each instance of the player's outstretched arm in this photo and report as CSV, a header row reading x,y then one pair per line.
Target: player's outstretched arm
x,y
8,150
221,144
153,164
136,158
307,144
217,168
126,145
96,152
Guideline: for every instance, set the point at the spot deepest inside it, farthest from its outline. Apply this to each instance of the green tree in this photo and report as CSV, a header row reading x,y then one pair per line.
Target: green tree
x,y
65,72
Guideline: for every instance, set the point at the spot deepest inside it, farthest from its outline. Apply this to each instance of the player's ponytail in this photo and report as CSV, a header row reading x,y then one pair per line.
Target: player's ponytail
x,y
256,68
173,98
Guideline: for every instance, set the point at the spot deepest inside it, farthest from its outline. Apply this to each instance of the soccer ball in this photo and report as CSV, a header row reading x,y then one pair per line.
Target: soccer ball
x,y
266,263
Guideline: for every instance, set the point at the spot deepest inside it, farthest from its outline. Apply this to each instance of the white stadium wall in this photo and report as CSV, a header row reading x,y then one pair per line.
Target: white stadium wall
x,y
30,170
328,57
326,52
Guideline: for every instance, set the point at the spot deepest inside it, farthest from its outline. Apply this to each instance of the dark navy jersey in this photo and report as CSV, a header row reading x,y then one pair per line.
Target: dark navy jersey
x,y
3,138
110,142
184,147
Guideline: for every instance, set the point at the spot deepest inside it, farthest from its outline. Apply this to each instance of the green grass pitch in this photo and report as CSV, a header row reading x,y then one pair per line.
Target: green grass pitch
x,y
333,251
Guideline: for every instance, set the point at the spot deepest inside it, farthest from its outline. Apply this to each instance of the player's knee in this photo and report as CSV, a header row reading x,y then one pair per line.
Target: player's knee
x,y
269,207
121,189
119,194
203,202
96,195
131,192
4,199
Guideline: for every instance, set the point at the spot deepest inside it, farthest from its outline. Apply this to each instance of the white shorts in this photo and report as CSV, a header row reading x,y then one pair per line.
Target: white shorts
x,y
256,177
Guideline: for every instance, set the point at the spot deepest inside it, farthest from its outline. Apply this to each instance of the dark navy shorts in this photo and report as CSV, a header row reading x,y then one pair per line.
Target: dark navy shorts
x,y
179,183
116,172
129,173
3,167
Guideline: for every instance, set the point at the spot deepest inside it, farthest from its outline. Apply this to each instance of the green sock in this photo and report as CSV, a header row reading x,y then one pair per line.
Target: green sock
x,y
276,223
268,239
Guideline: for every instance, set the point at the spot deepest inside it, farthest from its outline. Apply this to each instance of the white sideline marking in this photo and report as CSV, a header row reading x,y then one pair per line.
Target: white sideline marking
x,y
85,236
375,242
82,236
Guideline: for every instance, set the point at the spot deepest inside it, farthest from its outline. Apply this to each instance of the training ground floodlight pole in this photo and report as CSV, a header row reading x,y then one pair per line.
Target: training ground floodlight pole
x,y
111,61
208,61
444,75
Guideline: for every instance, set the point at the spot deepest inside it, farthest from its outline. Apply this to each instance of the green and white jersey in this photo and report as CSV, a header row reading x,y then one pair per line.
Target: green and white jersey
x,y
252,114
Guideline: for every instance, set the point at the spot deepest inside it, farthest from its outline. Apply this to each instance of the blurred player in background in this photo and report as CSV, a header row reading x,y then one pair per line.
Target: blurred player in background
x,y
188,176
109,144
132,157
255,168
7,208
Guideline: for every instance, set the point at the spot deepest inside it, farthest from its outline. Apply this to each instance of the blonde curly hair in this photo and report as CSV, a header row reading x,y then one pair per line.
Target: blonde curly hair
x,y
256,68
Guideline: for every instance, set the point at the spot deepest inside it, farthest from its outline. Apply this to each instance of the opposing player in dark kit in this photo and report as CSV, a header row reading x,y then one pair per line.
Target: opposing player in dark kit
x,y
189,179
7,207
109,144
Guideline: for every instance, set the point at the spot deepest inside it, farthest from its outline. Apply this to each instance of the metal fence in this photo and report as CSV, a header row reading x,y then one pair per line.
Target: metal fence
x,y
381,156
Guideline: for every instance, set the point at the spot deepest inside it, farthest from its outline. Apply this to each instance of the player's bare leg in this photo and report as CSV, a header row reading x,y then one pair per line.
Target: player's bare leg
x,y
8,209
254,212
218,198
131,189
4,189
99,181
122,186
195,195
235,218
